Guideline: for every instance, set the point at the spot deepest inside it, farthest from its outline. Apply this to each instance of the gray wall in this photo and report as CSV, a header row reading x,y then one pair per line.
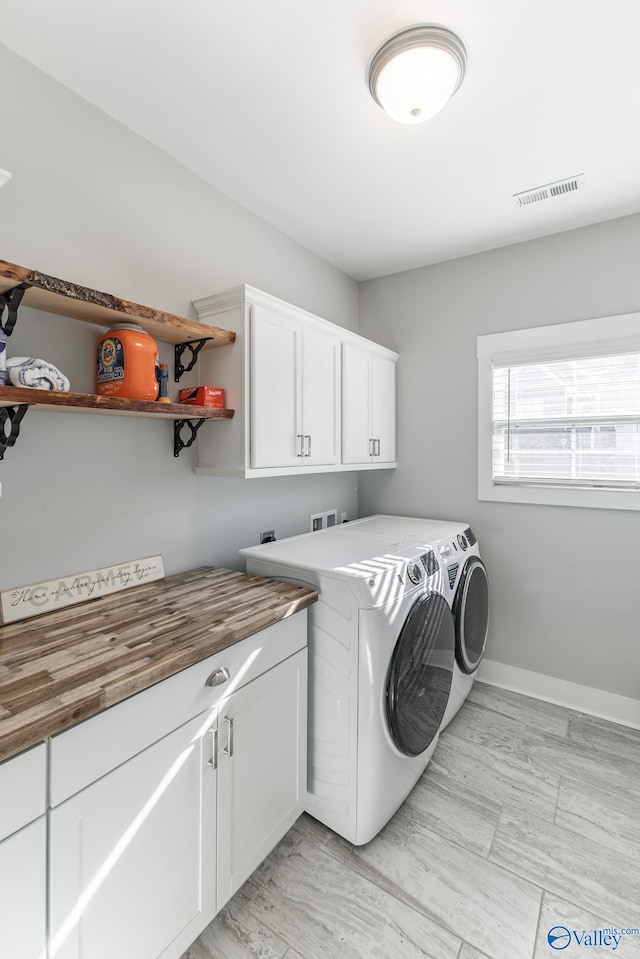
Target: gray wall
x,y
565,580
93,203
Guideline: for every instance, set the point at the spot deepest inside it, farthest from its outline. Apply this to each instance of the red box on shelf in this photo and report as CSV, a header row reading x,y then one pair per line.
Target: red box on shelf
x,y
202,396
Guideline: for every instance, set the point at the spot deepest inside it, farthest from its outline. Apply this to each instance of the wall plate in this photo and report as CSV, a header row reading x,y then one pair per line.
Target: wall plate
x,y
316,522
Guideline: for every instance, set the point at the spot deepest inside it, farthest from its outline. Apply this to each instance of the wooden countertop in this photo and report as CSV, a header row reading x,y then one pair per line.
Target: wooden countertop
x,y
62,667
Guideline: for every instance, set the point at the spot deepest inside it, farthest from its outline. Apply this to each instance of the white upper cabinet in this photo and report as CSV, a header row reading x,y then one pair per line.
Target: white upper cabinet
x,y
286,381
368,406
274,402
320,390
295,392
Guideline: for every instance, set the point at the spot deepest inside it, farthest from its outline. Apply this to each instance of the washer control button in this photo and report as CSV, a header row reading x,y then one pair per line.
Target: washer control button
x,y
414,572
462,541
429,562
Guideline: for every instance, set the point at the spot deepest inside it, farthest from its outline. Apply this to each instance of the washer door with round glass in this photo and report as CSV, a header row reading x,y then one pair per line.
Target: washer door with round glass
x,y
420,674
471,614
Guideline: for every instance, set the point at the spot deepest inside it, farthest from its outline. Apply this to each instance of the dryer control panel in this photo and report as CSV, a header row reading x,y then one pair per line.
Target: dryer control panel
x,y
426,564
429,562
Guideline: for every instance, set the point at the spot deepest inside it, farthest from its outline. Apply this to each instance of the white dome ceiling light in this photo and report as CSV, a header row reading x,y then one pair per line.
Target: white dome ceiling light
x,y
4,177
416,72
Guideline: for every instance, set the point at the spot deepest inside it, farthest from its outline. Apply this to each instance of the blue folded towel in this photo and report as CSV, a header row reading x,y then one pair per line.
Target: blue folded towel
x,y
36,374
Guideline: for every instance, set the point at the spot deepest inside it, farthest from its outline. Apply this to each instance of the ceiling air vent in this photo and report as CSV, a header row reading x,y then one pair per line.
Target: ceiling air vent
x,y
550,190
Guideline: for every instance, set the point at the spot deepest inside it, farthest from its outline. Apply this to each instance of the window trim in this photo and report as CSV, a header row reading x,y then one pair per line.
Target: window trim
x,y
611,334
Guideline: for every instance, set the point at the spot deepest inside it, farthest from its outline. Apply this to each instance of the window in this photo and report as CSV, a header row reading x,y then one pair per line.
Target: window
x,y
559,414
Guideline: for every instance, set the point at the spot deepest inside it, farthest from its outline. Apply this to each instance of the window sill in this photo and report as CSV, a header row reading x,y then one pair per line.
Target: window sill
x,y
561,496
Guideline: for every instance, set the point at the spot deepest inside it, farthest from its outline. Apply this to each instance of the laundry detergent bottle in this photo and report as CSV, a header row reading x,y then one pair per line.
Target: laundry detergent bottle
x,y
126,363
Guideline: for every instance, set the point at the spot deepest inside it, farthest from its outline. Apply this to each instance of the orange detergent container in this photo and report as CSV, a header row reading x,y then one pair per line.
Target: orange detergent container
x,y
127,358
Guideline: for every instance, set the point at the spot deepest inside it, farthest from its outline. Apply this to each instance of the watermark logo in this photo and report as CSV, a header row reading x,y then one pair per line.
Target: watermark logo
x,y
560,937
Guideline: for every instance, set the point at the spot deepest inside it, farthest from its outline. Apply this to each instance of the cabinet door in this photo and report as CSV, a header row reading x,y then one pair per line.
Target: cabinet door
x,y
276,429
383,408
320,384
356,433
133,855
262,769
23,859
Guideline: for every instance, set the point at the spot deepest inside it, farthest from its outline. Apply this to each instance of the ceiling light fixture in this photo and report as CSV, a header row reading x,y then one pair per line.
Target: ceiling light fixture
x,y
4,177
416,72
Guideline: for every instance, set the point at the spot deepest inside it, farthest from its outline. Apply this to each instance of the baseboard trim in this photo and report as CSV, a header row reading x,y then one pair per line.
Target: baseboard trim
x,y
585,699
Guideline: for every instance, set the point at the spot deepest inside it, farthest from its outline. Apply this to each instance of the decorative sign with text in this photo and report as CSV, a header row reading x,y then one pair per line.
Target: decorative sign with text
x,y
25,601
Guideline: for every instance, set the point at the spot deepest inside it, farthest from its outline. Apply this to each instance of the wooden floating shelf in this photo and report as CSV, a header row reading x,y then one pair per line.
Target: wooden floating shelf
x,y
114,405
52,295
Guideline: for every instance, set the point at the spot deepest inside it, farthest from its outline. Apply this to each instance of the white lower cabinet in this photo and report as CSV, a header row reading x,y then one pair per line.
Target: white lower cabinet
x,y
142,858
133,855
23,876
262,769
23,855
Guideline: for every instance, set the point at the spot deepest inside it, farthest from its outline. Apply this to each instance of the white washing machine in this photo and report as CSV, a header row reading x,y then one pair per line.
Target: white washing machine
x,y
381,663
466,589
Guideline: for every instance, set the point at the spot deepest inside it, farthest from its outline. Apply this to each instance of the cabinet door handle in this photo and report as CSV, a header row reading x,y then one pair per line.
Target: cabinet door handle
x,y
228,749
376,447
300,444
213,762
307,437
218,677
372,448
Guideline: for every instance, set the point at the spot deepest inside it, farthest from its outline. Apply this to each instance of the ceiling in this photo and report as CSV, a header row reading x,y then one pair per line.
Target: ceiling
x,y
268,101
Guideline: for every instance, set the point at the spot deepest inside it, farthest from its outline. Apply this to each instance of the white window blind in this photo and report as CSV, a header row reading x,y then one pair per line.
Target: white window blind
x,y
568,422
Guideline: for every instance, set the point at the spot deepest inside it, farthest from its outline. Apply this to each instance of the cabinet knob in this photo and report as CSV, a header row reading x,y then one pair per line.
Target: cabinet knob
x,y
218,677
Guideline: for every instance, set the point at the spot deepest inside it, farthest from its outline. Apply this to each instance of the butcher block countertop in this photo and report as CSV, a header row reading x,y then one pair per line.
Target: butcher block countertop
x,y
62,667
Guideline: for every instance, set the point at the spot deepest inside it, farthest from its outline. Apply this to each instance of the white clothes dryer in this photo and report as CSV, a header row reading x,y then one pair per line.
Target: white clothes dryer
x,y
381,662
466,588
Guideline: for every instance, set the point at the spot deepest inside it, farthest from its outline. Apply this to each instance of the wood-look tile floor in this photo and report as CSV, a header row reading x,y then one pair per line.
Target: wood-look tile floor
x,y
527,818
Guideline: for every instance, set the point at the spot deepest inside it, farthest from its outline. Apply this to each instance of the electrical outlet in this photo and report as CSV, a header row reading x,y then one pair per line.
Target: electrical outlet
x,y
331,518
343,518
316,521
268,536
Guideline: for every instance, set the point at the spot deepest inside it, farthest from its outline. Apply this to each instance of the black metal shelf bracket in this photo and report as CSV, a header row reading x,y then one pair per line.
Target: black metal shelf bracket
x,y
10,301
11,417
194,346
178,442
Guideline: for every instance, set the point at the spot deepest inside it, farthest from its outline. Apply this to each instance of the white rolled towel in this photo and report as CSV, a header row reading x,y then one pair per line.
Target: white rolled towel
x,y
36,374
